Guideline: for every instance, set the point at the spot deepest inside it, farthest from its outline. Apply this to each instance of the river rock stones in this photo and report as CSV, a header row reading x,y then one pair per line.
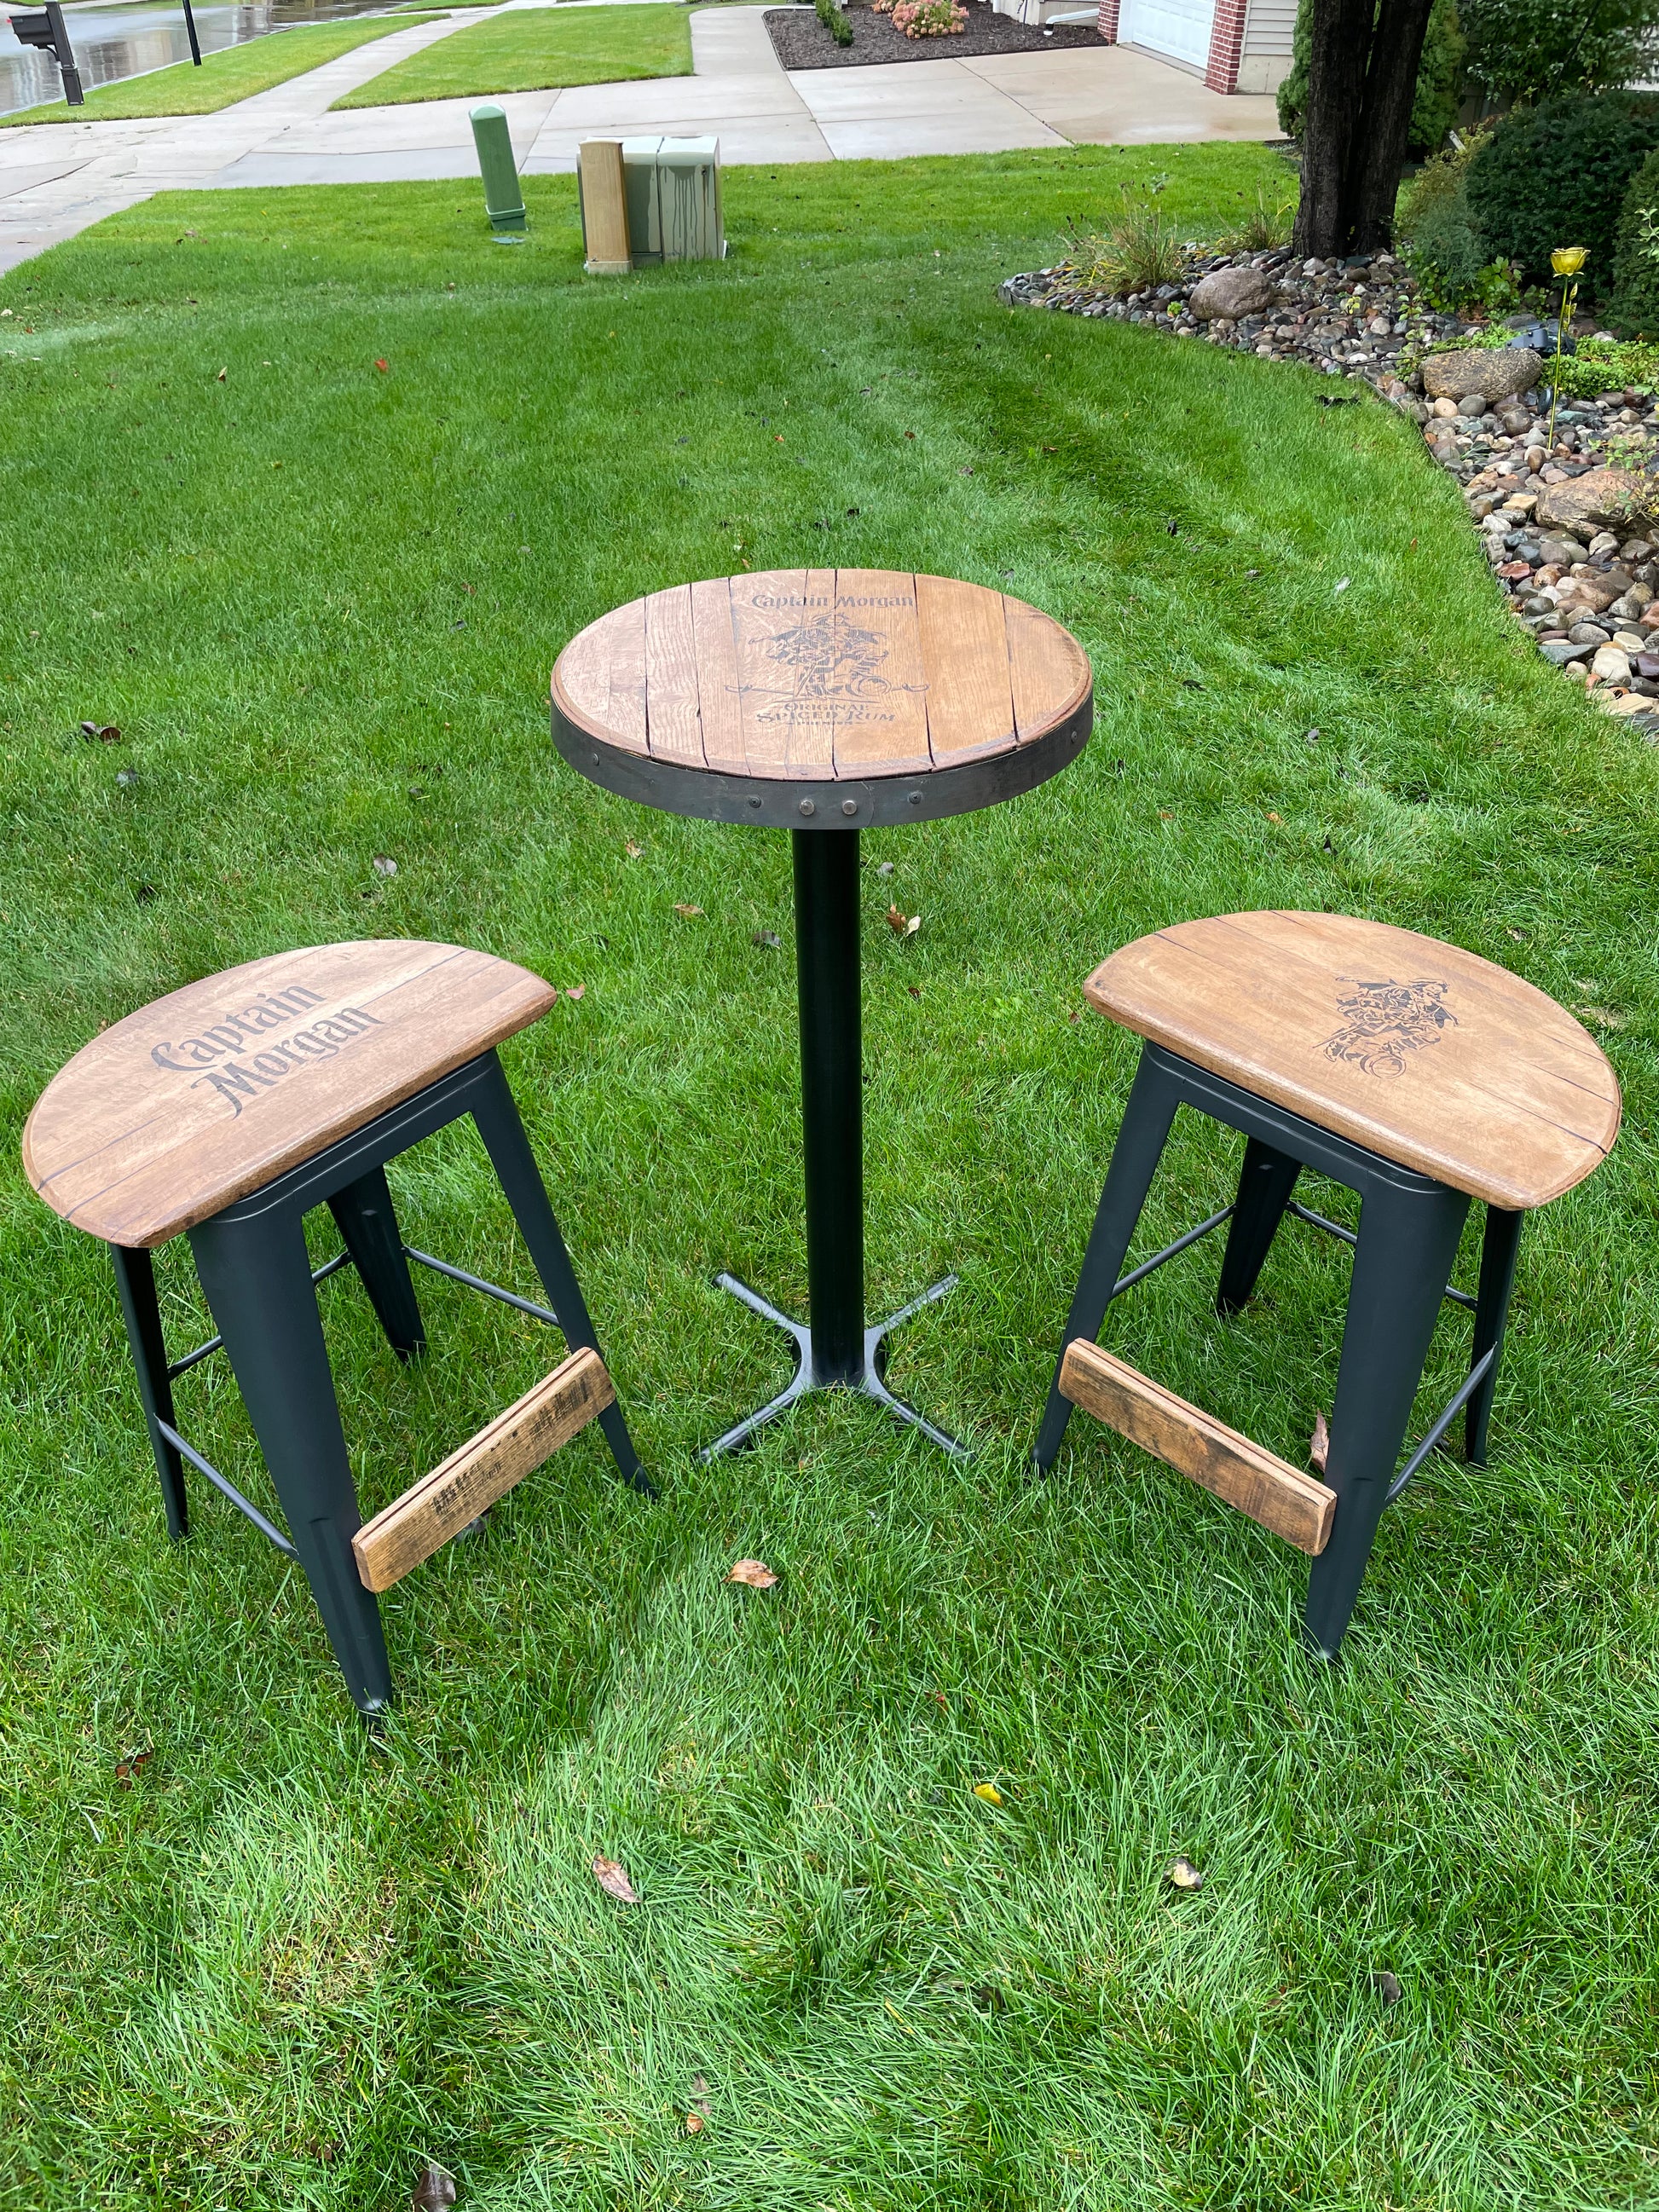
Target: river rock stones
x,y
1491,372
1233,292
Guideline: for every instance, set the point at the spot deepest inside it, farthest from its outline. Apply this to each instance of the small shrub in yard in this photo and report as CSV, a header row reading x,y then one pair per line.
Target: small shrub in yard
x,y
1135,251
1439,78
1266,225
1634,308
1440,242
834,22
929,19
1604,365
1559,171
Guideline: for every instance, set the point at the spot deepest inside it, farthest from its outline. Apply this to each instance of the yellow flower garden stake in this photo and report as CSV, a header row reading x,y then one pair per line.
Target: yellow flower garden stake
x,y
1566,261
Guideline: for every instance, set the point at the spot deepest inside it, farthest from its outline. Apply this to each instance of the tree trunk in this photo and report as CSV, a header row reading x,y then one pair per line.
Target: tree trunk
x,y
1336,82
1385,119
1362,79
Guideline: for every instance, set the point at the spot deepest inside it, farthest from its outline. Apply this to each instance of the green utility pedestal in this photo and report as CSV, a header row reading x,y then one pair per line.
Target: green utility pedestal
x,y
503,197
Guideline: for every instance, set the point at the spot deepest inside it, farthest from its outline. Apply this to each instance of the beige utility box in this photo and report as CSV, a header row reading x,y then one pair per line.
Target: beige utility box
x,y
646,200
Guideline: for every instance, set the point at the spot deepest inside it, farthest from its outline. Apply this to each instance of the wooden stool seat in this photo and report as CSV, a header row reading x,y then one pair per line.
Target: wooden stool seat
x,y
1430,1057
209,1094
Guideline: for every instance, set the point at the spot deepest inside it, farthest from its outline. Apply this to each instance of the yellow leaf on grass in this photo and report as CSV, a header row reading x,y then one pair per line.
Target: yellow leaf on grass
x,y
989,1791
1181,1873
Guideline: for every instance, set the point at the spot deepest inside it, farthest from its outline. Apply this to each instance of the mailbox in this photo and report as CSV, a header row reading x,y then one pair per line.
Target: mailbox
x,y
44,29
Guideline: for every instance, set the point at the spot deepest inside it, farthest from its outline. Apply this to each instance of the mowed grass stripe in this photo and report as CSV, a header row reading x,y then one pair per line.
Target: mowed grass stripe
x,y
530,48
234,73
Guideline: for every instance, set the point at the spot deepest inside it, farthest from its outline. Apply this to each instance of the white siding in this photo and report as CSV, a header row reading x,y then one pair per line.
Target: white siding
x,y
1266,55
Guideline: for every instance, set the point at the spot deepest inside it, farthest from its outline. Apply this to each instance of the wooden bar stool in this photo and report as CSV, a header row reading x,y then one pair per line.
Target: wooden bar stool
x,y
1418,1075
228,1110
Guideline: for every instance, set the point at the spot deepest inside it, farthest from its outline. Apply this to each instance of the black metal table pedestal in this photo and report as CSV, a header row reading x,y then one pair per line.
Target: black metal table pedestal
x,y
834,1351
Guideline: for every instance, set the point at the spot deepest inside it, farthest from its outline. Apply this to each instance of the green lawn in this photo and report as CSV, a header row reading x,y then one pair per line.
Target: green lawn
x,y
321,601
234,73
531,47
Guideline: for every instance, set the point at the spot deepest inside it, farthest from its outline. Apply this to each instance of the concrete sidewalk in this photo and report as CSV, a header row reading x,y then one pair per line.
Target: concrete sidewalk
x,y
58,179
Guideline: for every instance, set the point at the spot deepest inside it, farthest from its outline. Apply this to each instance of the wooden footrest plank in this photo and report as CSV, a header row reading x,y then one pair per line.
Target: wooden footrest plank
x,y
1268,1489
515,1444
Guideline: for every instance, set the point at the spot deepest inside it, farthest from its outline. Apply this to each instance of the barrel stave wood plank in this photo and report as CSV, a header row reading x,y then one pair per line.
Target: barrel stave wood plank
x,y
1439,1060
211,1092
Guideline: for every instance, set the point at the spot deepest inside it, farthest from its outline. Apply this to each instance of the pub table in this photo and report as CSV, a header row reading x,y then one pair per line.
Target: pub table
x,y
824,701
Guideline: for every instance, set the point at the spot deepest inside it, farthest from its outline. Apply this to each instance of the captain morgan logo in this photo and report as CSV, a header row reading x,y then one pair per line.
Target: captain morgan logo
x,y
235,1071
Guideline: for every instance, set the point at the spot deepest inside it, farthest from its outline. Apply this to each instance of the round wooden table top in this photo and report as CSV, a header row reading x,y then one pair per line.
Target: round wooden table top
x,y
822,698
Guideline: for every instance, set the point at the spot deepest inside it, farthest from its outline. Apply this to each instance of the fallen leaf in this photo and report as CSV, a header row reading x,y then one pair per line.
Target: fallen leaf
x,y
1386,1985
221,377
612,1878
913,989
106,731
633,850
989,1791
1319,1446
695,2123
433,2191
939,1700
1181,1873
574,990
769,938
1275,817
1164,815
1342,586
384,865
690,912
884,868
1310,737
381,366
126,777
700,2095
127,1771
753,1574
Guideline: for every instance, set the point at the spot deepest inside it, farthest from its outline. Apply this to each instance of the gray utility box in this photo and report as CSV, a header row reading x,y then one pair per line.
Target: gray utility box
x,y
673,189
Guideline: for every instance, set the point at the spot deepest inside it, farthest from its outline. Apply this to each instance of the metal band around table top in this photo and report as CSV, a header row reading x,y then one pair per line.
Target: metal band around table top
x,y
829,803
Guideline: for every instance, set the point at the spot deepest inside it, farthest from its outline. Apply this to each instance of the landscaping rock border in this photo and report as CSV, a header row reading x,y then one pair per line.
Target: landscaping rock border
x,y
1571,528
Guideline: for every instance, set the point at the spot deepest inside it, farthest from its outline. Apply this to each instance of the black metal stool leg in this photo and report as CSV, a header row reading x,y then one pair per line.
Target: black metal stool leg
x,y
496,1114
1499,1249
368,1223
257,1275
1401,1265
134,1278
1264,1184
1139,1147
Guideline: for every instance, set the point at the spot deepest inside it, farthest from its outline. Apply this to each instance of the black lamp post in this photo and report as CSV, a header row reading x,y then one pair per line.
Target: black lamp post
x,y
189,25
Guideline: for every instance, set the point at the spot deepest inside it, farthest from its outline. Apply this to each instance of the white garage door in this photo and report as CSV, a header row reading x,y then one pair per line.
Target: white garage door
x,y
1180,28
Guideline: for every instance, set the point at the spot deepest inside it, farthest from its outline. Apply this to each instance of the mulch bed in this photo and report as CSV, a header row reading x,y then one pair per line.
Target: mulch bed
x,y
800,41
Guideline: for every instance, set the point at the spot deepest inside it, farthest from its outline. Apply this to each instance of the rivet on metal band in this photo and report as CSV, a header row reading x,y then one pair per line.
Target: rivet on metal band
x,y
807,806
849,806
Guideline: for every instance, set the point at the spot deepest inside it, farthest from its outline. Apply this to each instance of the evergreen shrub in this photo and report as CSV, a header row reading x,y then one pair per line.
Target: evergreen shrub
x,y
1556,174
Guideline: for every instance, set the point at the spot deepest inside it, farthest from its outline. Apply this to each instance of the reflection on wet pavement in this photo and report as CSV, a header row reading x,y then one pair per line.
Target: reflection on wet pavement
x,y
112,42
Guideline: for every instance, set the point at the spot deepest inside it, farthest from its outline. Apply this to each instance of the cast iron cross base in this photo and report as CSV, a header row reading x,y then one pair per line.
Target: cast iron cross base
x,y
869,1379
834,1351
